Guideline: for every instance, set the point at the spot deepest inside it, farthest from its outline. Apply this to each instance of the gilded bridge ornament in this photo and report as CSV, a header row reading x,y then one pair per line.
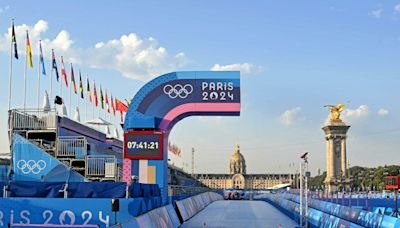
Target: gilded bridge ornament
x,y
335,112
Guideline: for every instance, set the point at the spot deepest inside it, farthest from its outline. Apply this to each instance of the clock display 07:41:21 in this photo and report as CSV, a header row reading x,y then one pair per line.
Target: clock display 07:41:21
x,y
142,145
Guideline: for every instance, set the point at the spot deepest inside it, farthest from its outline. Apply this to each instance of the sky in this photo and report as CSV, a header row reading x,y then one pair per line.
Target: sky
x,y
294,58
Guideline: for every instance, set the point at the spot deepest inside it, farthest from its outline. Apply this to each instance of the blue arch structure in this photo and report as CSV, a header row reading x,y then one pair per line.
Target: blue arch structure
x,y
167,99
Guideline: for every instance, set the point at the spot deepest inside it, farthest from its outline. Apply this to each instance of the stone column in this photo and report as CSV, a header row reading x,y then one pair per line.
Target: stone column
x,y
344,158
336,166
332,163
328,155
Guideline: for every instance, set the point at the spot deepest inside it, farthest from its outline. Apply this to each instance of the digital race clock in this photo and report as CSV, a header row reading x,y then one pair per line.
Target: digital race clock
x,y
147,145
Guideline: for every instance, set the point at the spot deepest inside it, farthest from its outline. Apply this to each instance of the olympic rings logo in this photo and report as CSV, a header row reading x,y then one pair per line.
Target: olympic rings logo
x,y
31,166
178,90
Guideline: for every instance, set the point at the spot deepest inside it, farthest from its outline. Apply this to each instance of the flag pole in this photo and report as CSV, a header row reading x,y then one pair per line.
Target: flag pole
x,y
70,85
86,109
93,103
51,77
9,94
78,93
61,80
38,101
87,80
101,100
11,68
77,103
25,72
93,110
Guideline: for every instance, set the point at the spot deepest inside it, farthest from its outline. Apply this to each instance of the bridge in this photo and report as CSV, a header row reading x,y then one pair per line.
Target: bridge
x,y
64,173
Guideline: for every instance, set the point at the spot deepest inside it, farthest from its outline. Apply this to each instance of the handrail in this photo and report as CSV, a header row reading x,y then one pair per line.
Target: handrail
x,y
71,146
174,190
33,119
102,166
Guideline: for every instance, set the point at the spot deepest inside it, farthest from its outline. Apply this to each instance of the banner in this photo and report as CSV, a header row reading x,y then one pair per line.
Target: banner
x,y
30,163
67,211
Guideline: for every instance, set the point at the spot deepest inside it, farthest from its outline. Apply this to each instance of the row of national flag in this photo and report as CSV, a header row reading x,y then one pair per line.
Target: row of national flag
x,y
111,105
174,149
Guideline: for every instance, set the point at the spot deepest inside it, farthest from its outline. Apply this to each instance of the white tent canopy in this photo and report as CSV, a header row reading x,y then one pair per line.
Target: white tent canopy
x,y
104,126
46,102
99,122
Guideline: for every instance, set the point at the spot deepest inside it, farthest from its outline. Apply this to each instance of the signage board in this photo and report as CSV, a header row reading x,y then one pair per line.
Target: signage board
x,y
147,145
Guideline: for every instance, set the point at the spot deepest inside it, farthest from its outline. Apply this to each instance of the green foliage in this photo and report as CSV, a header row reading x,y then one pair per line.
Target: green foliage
x,y
362,177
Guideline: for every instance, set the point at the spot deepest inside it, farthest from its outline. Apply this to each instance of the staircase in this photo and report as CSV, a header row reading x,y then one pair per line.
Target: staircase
x,y
40,128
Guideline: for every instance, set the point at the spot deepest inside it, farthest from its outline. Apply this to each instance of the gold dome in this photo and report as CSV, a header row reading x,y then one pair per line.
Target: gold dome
x,y
237,156
237,163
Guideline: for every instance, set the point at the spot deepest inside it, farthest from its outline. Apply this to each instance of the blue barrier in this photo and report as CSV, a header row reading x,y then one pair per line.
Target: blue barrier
x,y
189,207
160,217
323,214
316,218
88,203
80,189
167,216
4,171
76,211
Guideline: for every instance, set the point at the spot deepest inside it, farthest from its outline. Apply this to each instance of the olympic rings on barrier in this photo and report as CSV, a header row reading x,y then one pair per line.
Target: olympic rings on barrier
x,y
31,166
178,90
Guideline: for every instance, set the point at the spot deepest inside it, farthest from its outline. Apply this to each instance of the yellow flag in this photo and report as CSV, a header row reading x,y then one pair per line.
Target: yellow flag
x,y
28,51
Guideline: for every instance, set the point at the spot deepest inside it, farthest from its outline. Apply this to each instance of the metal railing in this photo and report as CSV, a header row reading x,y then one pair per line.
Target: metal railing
x,y
176,190
101,166
71,146
120,173
33,119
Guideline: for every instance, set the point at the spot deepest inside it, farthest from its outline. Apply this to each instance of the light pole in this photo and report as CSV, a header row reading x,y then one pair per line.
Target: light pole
x,y
304,174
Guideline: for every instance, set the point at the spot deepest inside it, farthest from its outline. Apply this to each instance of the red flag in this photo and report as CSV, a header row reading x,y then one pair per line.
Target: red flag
x,y
96,102
63,71
119,106
108,105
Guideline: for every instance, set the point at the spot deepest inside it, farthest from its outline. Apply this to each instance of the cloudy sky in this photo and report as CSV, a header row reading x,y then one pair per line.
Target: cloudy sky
x,y
294,58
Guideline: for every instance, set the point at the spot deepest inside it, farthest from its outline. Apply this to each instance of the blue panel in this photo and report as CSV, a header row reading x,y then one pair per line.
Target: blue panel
x,y
158,97
217,74
135,190
67,211
32,164
4,171
75,189
390,222
186,75
97,190
137,117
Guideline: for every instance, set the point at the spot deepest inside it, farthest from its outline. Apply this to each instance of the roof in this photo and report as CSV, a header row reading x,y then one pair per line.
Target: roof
x,y
237,156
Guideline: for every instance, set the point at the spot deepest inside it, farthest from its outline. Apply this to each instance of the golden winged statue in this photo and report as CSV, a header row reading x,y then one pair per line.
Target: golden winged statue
x,y
335,112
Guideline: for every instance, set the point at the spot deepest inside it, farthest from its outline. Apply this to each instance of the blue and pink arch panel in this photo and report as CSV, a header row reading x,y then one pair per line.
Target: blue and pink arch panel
x,y
165,100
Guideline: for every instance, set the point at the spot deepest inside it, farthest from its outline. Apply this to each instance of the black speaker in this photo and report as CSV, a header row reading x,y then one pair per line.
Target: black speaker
x,y
58,100
115,205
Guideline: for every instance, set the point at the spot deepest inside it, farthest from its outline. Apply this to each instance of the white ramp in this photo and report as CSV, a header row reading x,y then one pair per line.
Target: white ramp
x,y
226,213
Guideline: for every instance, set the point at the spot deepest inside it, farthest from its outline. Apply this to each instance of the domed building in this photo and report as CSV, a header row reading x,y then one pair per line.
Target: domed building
x,y
239,179
238,163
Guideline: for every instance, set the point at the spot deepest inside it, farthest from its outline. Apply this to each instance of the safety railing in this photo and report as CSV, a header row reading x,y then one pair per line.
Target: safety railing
x,y
120,173
33,119
101,166
71,146
176,190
